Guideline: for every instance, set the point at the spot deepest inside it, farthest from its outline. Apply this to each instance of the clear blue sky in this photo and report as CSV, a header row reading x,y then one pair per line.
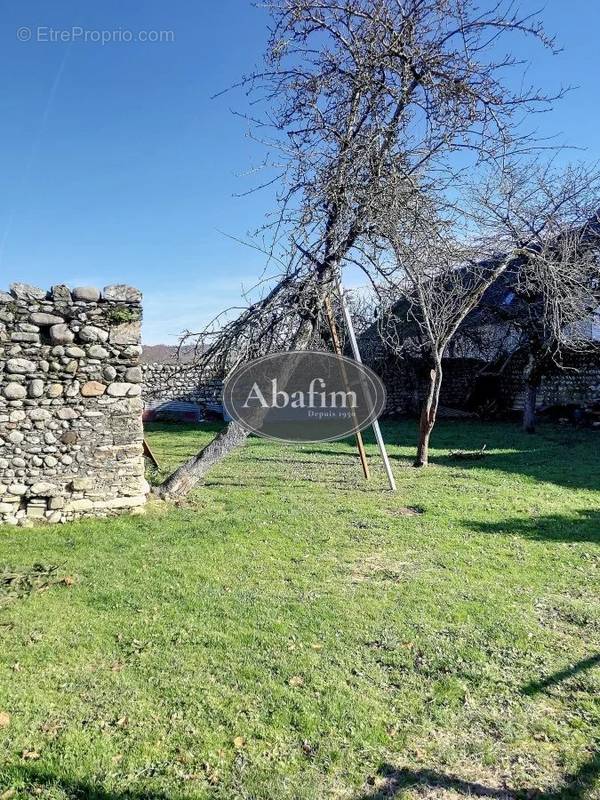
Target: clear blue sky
x,y
117,167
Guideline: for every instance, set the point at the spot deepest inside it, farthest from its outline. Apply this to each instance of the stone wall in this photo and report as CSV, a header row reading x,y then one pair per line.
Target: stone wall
x,y
406,384
173,381
70,406
465,387
578,383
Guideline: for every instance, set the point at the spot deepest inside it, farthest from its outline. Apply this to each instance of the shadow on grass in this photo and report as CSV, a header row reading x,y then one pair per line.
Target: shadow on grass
x,y
183,429
37,780
578,526
539,686
555,454
560,455
396,781
576,786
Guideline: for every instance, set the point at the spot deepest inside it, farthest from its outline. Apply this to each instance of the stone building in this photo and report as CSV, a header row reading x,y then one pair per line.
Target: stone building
x,y
485,363
71,437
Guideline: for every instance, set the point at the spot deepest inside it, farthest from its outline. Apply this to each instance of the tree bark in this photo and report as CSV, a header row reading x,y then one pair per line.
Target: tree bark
x,y
183,480
533,381
529,407
429,414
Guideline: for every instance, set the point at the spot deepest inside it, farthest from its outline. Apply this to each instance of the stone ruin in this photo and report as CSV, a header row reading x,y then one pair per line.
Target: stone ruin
x,y
71,436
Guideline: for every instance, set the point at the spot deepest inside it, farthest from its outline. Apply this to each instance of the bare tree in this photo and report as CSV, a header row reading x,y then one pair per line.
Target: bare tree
x,y
553,218
537,230
361,102
439,276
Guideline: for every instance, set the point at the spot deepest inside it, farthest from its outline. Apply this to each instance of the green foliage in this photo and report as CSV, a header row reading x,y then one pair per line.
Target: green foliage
x,y
292,632
121,314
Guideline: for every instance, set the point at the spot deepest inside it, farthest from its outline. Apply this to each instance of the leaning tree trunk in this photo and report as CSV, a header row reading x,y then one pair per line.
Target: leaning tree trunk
x,y
183,480
428,414
188,475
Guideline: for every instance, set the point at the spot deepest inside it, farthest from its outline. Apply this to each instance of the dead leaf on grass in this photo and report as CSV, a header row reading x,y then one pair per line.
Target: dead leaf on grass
x,y
51,727
239,742
296,680
4,719
212,776
408,511
378,567
30,755
307,748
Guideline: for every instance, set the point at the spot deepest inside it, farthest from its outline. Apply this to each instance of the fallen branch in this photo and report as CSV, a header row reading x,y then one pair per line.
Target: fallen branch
x,y
468,455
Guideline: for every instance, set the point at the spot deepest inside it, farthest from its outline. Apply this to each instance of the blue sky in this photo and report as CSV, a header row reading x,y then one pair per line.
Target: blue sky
x,y
117,167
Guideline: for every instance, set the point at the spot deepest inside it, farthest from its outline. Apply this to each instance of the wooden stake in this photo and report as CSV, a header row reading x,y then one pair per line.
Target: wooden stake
x,y
337,346
149,454
357,357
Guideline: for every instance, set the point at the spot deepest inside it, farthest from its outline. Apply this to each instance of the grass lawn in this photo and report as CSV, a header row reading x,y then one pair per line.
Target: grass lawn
x,y
291,632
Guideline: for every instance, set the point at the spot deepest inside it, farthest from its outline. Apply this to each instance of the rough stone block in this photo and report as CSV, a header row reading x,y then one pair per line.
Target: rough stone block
x,y
14,391
128,333
88,293
97,351
67,413
39,415
81,484
35,388
79,505
60,293
24,291
75,352
119,389
42,319
122,293
61,334
93,389
20,365
91,333
44,489
25,337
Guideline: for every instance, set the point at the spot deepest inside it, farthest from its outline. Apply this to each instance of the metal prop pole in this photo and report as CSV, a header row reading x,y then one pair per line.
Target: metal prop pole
x,y
357,357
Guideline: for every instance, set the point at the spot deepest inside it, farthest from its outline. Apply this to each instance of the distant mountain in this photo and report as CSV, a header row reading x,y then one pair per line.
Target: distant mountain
x,y
166,354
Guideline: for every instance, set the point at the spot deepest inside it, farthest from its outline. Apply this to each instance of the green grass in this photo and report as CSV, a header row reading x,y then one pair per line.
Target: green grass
x,y
290,632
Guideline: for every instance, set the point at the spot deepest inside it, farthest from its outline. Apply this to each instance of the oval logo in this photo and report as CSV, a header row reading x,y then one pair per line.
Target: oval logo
x,y
304,396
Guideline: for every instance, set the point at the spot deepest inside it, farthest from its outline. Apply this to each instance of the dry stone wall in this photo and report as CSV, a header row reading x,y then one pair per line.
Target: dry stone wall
x,y
172,381
71,432
464,387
